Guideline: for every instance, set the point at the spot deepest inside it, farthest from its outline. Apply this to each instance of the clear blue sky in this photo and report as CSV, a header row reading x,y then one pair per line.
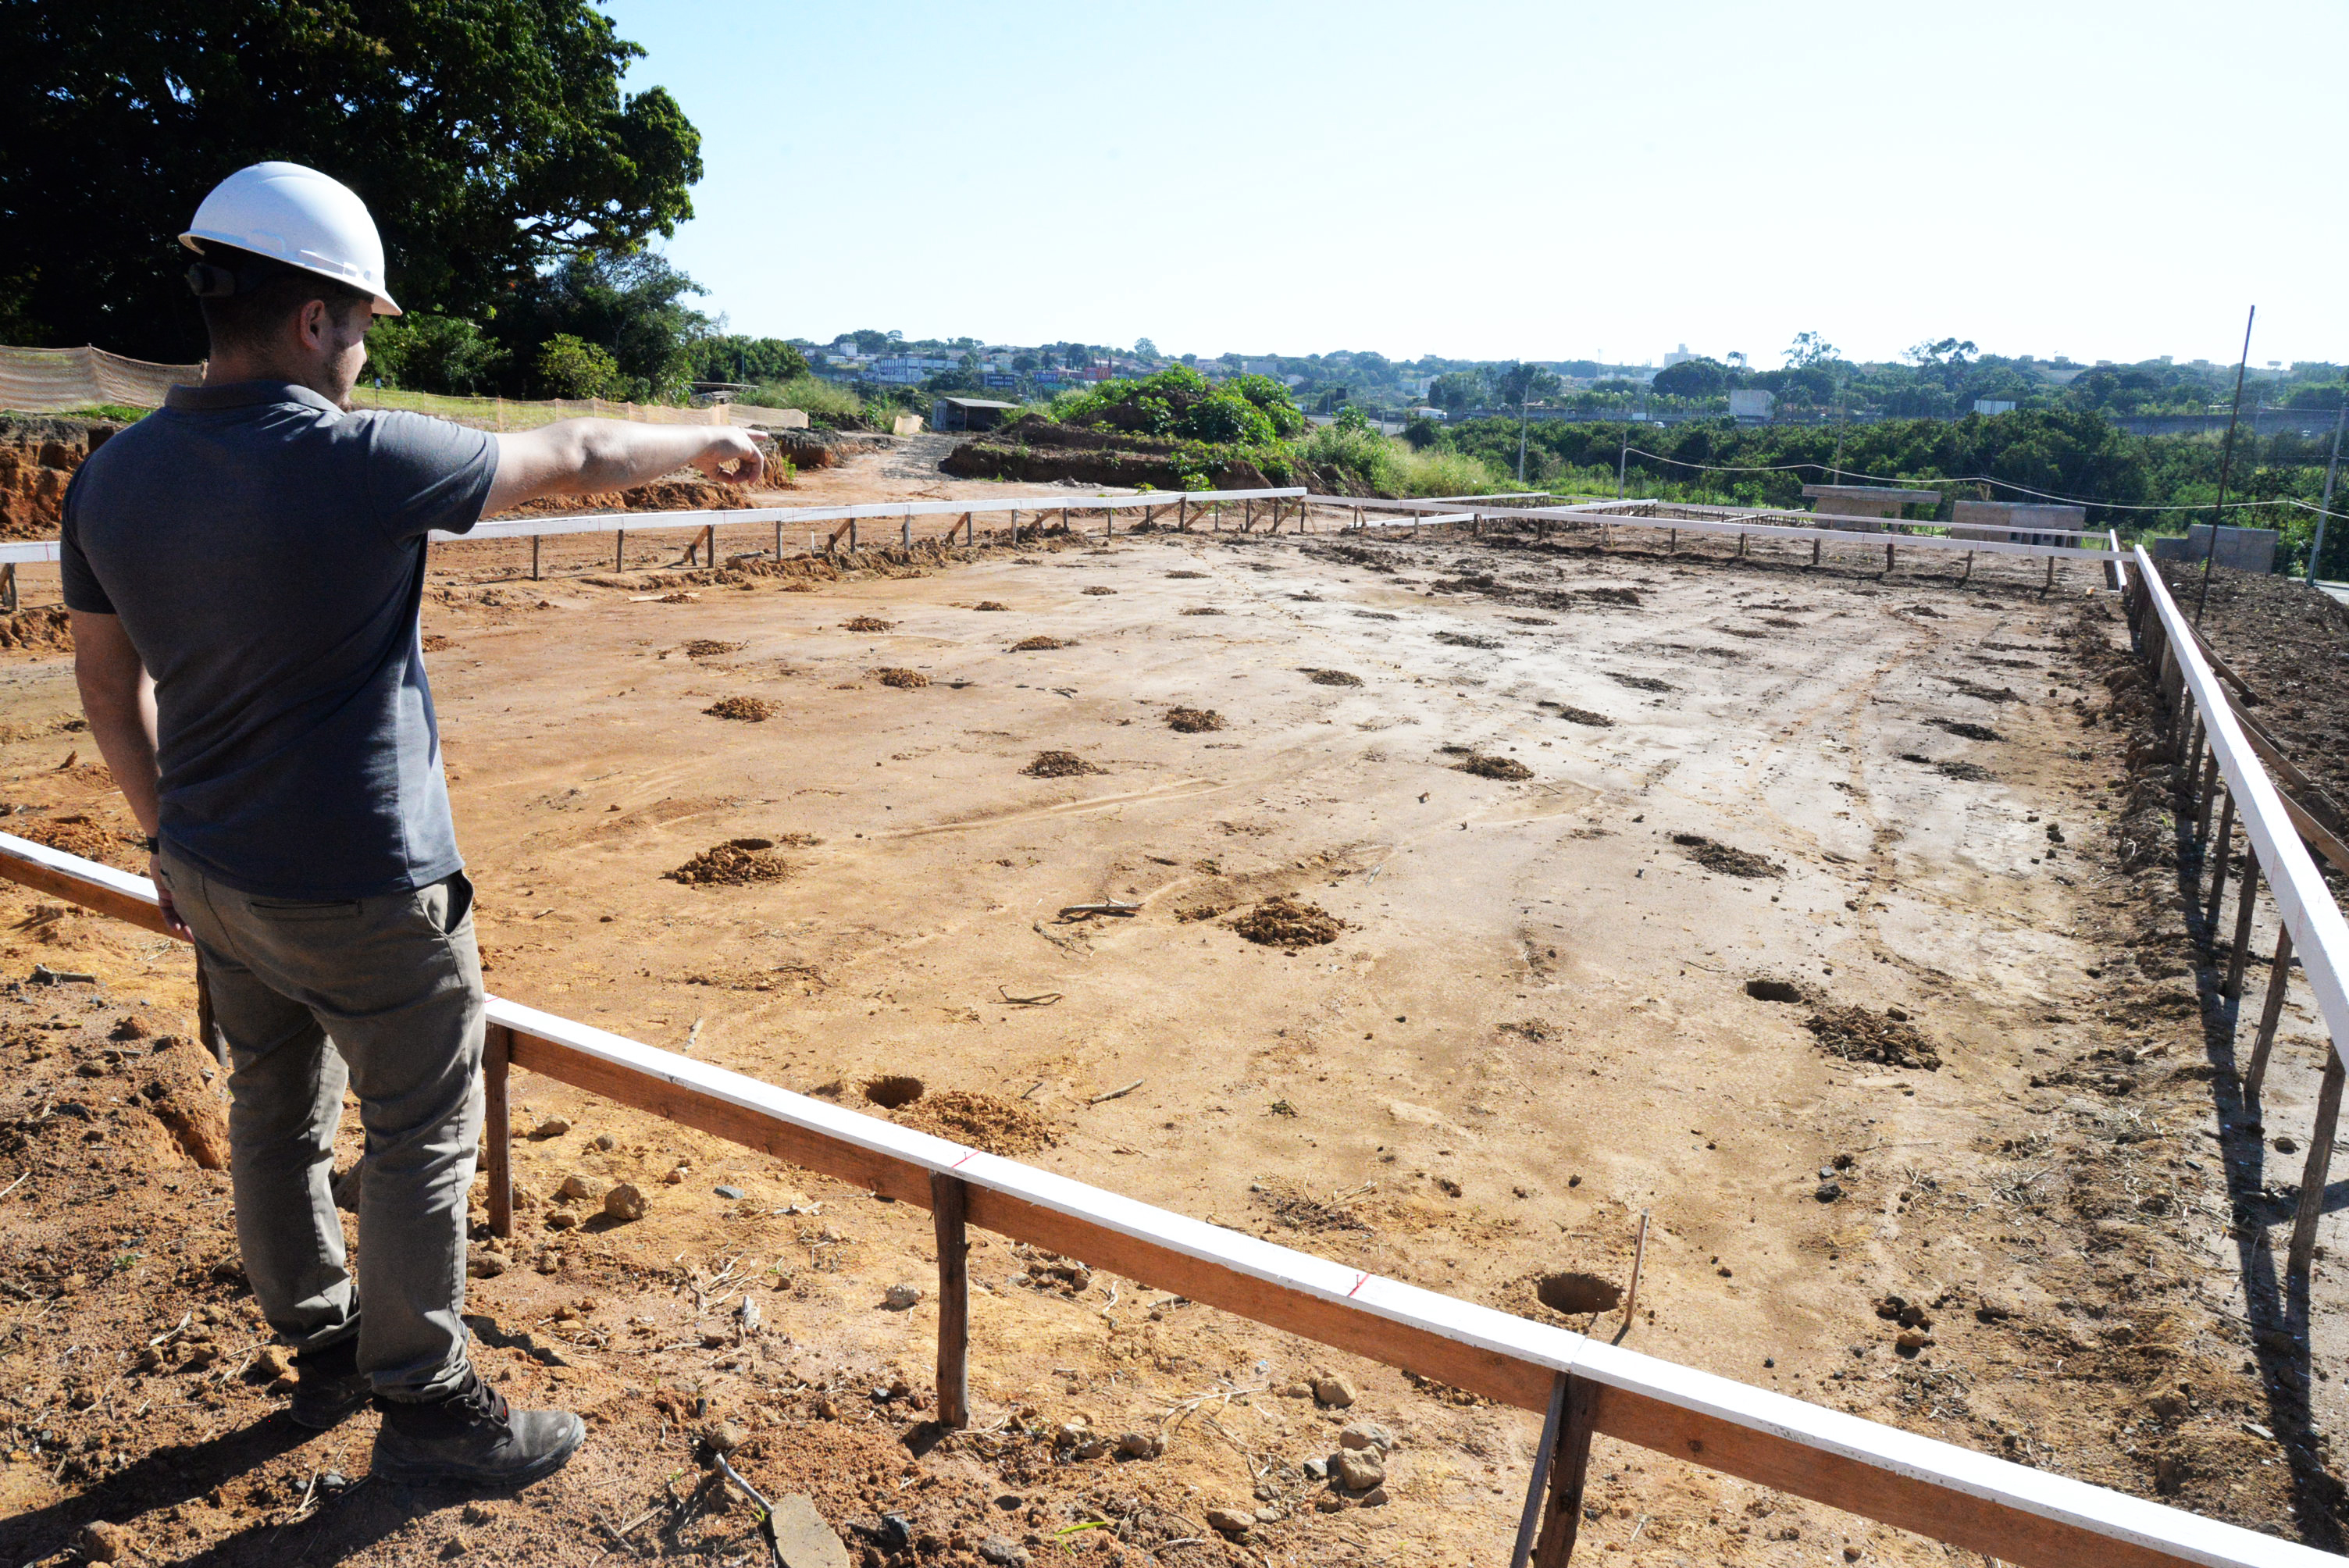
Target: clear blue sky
x,y
1490,179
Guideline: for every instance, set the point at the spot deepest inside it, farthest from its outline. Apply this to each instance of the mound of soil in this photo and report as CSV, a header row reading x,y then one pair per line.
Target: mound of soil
x,y
1970,772
1330,677
1194,720
1097,590
1285,921
678,492
1058,765
709,648
905,680
999,1126
750,709
1638,683
2291,645
1202,610
39,455
82,836
42,631
1612,596
1462,640
866,623
1857,1034
1965,731
1579,715
434,643
1719,857
1186,575
990,604
734,863
1981,693
1038,645
1485,767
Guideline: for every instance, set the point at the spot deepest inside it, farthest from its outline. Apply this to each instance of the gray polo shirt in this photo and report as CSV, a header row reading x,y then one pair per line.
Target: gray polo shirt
x,y
265,553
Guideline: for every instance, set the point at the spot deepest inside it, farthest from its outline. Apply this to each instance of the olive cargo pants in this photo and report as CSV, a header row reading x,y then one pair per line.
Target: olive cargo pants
x,y
384,994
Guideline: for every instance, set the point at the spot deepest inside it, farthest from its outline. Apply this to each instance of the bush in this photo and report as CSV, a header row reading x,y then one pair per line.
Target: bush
x,y
809,392
569,368
1179,404
443,354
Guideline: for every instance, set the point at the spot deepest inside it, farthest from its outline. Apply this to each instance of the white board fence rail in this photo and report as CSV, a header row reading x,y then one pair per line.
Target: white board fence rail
x,y
1588,1387
2224,769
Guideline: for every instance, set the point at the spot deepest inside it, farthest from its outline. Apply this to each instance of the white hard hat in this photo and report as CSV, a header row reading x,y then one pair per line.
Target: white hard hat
x,y
297,216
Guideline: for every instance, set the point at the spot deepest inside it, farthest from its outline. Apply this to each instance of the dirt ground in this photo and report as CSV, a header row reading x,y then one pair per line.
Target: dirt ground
x,y
1806,930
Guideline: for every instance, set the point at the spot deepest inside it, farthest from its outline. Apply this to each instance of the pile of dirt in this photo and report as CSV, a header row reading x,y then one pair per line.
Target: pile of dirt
x,y
1285,921
1194,720
1186,575
734,863
677,492
1857,1034
42,631
1640,683
1005,1127
39,455
1201,610
709,648
85,837
990,604
1097,590
866,623
1964,730
1719,857
1330,677
1487,767
1573,714
1058,765
434,643
905,680
1038,645
1462,640
2291,645
750,709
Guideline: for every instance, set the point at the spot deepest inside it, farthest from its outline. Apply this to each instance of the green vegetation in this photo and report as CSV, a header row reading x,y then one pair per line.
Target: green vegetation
x,y
2064,453
821,400
568,367
490,138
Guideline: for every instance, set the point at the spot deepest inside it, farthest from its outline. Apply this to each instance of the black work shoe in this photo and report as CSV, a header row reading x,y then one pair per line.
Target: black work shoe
x,y
328,1388
472,1439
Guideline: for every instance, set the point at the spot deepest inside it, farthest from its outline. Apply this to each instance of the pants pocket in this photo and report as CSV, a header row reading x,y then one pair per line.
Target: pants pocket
x,y
460,905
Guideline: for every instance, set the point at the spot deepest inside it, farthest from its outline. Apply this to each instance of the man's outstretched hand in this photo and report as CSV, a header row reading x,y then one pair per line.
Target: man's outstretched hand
x,y
732,457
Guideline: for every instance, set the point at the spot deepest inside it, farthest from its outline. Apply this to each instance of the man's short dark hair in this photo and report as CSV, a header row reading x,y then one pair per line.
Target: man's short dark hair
x,y
268,293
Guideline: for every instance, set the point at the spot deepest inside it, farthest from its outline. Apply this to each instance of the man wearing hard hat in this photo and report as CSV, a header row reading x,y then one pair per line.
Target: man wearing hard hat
x,y
243,568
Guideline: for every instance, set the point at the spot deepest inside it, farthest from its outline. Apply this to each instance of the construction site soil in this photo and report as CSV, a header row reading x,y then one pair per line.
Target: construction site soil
x,y
1934,1118
2290,644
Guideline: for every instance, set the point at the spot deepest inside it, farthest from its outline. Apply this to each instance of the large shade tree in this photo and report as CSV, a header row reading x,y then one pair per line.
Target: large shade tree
x,y
490,138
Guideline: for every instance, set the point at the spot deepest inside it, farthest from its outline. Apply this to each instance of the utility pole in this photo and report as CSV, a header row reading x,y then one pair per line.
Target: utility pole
x,y
2316,545
1524,424
2225,464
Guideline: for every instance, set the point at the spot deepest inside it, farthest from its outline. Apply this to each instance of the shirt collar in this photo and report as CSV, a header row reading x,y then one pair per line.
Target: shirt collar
x,y
208,399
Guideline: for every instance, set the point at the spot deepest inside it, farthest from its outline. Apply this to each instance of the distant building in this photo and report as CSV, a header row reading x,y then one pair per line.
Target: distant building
x,y
968,413
1751,403
1993,404
1680,356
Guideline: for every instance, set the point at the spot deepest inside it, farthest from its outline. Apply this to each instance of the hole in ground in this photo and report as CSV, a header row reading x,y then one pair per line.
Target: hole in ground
x,y
1774,990
1576,1293
891,1092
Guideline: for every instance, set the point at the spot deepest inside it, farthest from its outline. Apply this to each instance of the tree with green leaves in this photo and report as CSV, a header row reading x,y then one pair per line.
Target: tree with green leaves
x,y
1809,349
434,354
567,367
630,307
490,138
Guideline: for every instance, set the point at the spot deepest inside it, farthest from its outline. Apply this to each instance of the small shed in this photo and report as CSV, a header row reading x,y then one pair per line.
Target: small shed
x,y
1853,501
968,413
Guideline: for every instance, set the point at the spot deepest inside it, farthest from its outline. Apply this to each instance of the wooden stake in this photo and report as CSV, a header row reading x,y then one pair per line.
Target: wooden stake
x,y
709,543
1568,1473
1888,558
534,540
2217,850
619,549
906,532
969,531
2279,982
1741,547
779,539
947,1204
1638,1257
1537,1486
2319,1165
2049,586
2245,896
1967,575
1183,513
497,1126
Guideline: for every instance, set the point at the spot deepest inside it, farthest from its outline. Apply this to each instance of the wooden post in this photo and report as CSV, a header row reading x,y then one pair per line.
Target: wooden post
x,y
1109,522
497,1126
906,532
1248,516
1967,575
1183,513
2205,791
1537,1486
709,543
619,550
852,536
2271,1014
2245,896
1015,525
1638,1260
969,532
1741,547
1569,1469
2319,1165
779,539
2049,586
2217,850
948,1198
534,540
8,585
